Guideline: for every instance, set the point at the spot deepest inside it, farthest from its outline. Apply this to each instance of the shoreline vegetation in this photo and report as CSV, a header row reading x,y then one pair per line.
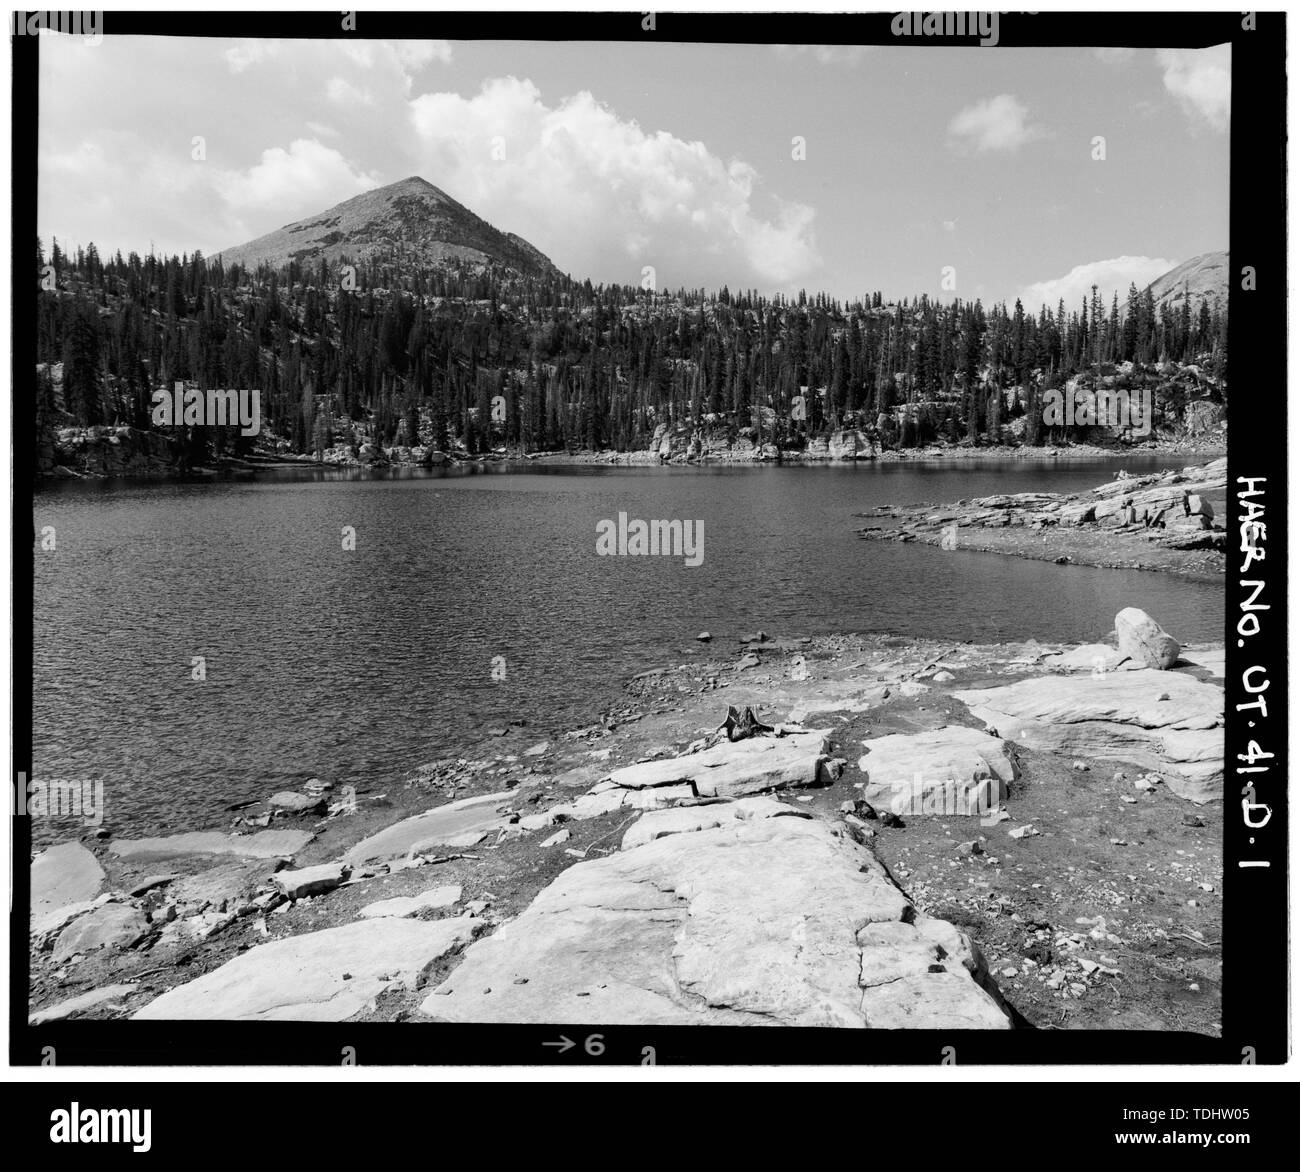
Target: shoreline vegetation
x,y
1031,832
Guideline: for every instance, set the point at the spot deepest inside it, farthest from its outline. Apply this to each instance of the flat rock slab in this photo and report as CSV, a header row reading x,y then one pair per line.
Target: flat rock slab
x,y
62,876
80,1003
734,768
757,923
114,925
265,844
1118,717
321,976
689,819
441,826
409,905
945,771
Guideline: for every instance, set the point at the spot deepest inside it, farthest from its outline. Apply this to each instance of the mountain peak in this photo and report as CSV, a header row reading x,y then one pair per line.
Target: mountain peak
x,y
411,220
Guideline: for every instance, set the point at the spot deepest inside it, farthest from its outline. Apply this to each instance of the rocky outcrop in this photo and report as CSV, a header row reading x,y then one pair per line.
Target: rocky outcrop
x,y
951,771
116,451
410,905
729,770
441,826
322,976
267,844
690,819
94,999
65,878
1168,722
113,925
772,921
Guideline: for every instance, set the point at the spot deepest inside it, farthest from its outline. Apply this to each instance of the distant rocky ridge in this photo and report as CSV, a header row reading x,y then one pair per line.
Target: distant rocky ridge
x,y
411,220
1203,278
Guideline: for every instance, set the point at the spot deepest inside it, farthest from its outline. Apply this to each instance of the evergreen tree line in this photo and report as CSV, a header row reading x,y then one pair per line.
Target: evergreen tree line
x,y
484,356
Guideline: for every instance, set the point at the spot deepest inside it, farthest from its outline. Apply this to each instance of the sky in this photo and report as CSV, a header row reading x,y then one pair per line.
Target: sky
x,y
972,172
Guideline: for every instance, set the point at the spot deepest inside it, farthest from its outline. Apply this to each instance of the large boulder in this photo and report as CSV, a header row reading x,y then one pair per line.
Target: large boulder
x,y
948,771
1169,722
766,921
1141,638
321,976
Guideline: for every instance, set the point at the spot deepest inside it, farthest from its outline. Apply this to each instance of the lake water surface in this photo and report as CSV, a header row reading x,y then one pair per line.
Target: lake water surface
x,y
355,666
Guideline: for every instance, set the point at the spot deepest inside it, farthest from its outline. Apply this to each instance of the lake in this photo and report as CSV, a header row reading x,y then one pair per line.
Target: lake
x,y
357,665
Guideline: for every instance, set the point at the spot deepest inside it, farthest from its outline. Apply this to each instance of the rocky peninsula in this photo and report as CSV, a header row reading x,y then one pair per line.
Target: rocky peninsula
x,y
1169,521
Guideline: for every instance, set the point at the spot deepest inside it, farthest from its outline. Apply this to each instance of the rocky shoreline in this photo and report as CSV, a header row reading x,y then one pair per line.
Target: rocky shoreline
x,y
112,452
1130,522
916,835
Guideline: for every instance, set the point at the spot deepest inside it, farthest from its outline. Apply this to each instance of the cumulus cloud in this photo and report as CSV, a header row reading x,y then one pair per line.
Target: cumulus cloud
x,y
308,173
600,195
1201,80
1110,277
999,124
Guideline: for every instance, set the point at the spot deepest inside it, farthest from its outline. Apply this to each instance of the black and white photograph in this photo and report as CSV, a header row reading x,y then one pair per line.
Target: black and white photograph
x,y
646,530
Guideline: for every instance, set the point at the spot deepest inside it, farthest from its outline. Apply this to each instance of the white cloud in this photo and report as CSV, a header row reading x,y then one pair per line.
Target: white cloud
x,y
602,196
1114,54
1110,277
999,124
1201,80
308,176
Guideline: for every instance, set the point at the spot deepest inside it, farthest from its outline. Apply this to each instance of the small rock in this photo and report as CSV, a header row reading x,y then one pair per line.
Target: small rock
x,y
1193,820
538,749
311,880
704,636
1081,767
556,839
970,848
1023,832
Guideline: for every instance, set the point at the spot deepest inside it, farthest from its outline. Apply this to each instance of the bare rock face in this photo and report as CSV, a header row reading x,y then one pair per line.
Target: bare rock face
x,y
402,906
762,921
63,877
115,925
690,819
1141,638
948,771
441,826
266,844
80,1003
732,769
1168,722
322,976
